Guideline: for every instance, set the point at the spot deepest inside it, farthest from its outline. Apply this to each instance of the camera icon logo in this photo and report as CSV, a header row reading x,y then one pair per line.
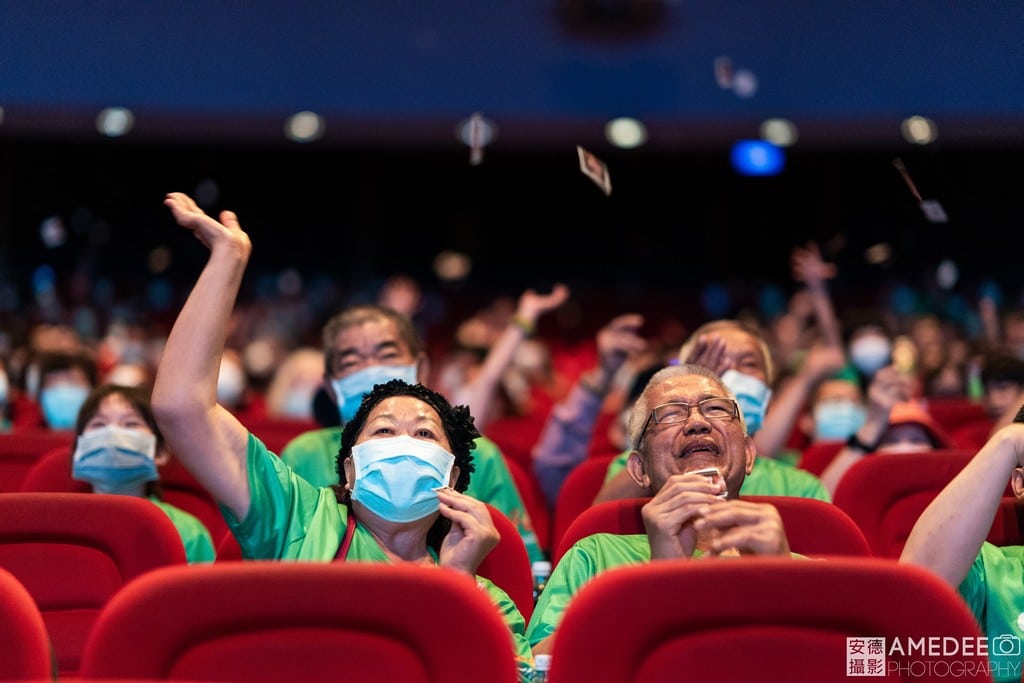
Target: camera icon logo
x,y
1006,644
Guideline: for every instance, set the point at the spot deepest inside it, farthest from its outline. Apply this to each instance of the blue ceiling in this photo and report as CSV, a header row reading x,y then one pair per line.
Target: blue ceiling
x,y
402,71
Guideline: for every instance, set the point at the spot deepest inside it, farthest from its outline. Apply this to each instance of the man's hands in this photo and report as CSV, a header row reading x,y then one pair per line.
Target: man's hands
x,y
687,513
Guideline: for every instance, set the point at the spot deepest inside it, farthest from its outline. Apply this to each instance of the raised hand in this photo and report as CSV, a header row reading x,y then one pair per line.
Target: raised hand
x,y
207,230
617,340
809,267
532,306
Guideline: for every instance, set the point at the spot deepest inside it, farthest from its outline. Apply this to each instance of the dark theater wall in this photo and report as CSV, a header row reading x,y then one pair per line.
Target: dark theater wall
x,y
389,185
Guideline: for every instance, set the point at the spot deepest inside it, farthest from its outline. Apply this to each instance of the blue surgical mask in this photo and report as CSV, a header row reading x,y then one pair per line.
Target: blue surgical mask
x,y
61,403
870,354
396,477
114,459
298,404
351,390
752,395
837,420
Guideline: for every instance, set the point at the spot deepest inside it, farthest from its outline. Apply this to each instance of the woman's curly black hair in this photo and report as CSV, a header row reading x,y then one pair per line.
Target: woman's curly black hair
x,y
458,424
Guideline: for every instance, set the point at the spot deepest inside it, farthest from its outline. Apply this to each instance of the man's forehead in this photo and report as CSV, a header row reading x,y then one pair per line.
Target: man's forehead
x,y
685,388
369,335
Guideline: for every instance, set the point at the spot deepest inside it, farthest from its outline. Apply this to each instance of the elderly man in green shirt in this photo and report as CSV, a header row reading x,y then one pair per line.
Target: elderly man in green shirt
x,y
692,450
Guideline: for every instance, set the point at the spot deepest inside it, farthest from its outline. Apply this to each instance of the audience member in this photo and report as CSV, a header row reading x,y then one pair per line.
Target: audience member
x,y
685,420
366,344
294,383
868,340
894,422
404,461
566,437
837,408
118,449
1002,380
949,538
65,379
741,356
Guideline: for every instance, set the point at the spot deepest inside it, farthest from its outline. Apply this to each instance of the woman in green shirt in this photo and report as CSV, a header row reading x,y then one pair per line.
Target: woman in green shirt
x,y
405,454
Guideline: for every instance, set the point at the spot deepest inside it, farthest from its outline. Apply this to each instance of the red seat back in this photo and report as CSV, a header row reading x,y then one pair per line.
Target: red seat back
x,y
972,435
885,493
765,619
25,645
267,621
52,472
21,448
507,565
816,456
577,494
534,502
276,432
952,412
184,491
74,551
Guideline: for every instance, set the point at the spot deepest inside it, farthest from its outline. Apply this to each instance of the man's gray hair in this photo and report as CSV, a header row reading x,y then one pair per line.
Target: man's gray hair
x,y
641,411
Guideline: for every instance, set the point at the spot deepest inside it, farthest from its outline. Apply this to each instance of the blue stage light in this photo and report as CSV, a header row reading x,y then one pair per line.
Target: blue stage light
x,y
757,157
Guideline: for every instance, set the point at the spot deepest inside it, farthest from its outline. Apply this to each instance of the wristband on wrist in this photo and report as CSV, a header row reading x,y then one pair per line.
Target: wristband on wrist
x,y
854,442
525,325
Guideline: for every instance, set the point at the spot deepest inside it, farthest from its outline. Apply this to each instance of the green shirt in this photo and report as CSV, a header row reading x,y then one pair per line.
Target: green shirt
x,y
994,590
767,478
290,519
313,456
587,558
194,534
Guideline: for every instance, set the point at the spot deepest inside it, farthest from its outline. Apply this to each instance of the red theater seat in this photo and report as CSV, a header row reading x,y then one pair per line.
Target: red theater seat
x,y
268,621
74,551
766,619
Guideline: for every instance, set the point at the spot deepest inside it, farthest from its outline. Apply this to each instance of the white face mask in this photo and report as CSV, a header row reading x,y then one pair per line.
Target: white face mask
x,y
114,459
870,353
298,404
230,384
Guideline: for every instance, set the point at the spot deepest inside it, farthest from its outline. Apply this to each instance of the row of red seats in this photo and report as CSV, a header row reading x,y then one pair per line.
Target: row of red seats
x,y
263,622
795,621
75,552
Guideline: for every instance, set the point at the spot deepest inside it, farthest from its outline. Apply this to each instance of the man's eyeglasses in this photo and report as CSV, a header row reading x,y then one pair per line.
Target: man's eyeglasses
x,y
714,408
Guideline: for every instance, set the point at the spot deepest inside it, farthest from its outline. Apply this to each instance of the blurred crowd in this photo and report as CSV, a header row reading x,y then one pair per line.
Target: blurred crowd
x,y
273,364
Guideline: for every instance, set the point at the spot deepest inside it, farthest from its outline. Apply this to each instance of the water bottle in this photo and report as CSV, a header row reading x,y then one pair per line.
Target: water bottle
x,y
541,570
541,664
